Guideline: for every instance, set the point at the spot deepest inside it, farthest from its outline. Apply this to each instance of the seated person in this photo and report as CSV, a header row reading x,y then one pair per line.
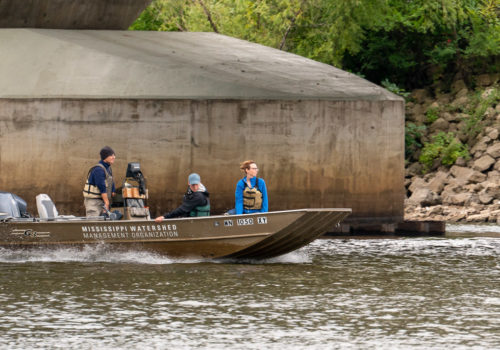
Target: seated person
x,y
194,203
251,191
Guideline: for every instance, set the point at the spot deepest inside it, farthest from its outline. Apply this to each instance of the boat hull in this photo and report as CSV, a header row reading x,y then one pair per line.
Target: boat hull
x,y
249,236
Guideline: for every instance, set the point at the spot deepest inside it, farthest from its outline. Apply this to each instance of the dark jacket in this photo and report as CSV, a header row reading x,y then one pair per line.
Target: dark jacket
x,y
98,177
190,201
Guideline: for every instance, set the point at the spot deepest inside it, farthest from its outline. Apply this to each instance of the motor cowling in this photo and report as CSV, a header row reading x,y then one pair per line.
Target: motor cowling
x,y
12,205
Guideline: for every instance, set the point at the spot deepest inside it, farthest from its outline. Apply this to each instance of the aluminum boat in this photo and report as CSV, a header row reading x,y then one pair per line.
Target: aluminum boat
x,y
248,236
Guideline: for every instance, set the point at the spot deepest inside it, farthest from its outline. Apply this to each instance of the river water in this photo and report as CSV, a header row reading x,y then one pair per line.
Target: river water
x,y
363,293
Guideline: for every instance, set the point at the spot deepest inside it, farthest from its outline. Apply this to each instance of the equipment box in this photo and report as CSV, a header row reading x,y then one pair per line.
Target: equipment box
x,y
131,192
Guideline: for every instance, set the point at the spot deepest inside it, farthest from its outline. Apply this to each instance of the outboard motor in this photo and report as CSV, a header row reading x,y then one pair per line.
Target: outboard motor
x,y
12,206
135,194
134,173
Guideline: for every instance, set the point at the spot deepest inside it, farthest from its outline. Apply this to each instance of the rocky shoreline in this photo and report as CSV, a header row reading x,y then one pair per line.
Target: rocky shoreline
x,y
469,189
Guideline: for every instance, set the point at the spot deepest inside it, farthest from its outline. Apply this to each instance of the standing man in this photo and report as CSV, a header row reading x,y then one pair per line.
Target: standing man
x,y
99,187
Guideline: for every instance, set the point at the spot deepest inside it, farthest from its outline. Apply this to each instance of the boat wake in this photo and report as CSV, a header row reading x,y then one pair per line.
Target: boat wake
x,y
296,257
91,254
104,254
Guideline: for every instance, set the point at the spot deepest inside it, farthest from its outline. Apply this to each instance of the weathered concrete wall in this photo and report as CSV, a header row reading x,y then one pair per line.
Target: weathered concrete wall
x,y
313,153
70,14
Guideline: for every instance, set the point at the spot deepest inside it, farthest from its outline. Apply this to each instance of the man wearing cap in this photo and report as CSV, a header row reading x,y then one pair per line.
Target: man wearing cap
x,y
99,187
194,203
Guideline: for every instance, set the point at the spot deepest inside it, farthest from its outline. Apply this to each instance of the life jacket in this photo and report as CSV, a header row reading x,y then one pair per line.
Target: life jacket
x,y
92,191
252,197
201,210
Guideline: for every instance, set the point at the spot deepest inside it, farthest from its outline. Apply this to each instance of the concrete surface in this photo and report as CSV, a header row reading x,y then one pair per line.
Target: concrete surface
x,y
131,64
311,153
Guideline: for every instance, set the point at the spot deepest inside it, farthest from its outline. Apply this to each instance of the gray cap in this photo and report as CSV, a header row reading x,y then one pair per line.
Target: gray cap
x,y
194,179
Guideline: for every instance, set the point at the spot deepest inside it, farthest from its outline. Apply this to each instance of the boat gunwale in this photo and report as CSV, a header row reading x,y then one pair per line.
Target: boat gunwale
x,y
80,219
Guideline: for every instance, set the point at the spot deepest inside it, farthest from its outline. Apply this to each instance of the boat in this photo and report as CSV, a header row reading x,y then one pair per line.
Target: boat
x,y
248,236
129,227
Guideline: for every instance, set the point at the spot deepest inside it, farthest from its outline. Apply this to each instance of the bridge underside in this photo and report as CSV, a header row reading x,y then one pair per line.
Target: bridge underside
x,y
70,14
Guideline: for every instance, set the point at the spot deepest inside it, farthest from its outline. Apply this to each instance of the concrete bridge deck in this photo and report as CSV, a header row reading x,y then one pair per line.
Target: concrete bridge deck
x,y
134,64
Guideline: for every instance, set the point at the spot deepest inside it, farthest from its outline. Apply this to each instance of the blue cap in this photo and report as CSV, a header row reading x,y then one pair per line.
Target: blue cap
x,y
194,179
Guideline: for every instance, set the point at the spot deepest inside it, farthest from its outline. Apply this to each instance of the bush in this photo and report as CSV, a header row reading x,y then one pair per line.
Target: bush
x,y
431,115
413,133
394,88
444,146
479,105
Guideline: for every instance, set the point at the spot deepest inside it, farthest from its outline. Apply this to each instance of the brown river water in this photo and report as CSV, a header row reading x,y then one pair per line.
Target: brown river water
x,y
369,293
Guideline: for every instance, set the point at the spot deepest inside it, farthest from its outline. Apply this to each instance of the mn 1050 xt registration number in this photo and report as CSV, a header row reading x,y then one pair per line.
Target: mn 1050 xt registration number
x,y
250,221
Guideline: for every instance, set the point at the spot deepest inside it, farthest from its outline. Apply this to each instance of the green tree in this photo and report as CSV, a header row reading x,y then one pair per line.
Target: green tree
x,y
320,29
163,15
422,42
409,43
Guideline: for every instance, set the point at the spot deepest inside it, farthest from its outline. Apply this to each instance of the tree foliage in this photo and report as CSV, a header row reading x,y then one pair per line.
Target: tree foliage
x,y
407,42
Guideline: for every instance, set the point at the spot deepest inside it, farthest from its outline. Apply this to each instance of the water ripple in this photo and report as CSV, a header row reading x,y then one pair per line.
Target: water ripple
x,y
406,293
